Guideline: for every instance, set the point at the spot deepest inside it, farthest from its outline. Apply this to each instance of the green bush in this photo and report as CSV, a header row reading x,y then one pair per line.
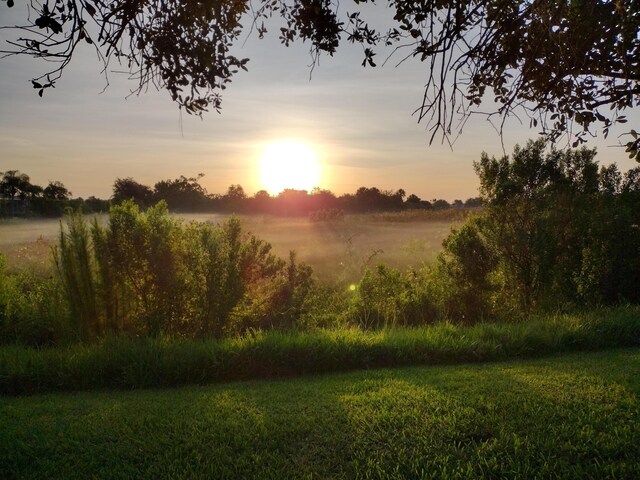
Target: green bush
x,y
386,297
465,275
32,309
276,298
564,230
146,273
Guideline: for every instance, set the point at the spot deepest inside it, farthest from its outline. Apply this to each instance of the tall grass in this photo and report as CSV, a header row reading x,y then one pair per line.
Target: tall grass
x,y
73,260
119,362
419,215
32,309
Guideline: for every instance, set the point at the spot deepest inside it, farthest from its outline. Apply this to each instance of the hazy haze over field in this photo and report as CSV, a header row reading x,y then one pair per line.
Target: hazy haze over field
x,y
337,251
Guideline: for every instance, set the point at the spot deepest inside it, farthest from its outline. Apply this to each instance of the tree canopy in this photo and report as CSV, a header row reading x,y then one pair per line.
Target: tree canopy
x,y
568,66
19,196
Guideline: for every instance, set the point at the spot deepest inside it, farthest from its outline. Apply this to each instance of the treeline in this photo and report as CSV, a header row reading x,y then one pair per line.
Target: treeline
x,y
187,195
20,197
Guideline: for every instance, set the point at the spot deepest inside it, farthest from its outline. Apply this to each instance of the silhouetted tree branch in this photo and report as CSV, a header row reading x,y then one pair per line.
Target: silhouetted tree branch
x,y
568,66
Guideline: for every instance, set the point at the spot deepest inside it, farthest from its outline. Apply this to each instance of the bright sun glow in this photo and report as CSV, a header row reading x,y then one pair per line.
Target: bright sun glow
x,y
289,164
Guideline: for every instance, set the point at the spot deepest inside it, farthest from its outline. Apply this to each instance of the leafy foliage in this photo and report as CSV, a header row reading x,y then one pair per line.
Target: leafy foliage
x,y
556,232
148,274
558,63
464,274
32,309
56,191
386,297
563,230
74,263
128,189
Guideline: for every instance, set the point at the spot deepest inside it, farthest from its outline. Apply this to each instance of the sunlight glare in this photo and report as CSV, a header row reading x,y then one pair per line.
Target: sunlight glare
x,y
289,164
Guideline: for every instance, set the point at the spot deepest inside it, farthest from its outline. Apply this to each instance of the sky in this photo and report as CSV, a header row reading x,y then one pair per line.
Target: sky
x,y
358,121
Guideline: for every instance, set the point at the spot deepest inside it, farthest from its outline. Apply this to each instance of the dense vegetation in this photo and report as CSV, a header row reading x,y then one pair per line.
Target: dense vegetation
x,y
126,363
574,416
557,232
550,265
149,274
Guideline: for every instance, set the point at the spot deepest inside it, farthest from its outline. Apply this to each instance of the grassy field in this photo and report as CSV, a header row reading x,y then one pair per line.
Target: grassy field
x,y
574,416
337,251
129,363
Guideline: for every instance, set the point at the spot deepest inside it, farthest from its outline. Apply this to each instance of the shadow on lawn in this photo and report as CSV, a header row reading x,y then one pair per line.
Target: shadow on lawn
x,y
571,416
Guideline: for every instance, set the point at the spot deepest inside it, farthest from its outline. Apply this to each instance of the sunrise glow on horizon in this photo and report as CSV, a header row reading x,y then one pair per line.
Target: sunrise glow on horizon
x,y
289,164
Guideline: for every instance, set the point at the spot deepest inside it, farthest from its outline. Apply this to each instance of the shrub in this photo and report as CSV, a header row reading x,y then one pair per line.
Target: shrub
x,y
387,297
147,273
464,275
276,297
32,309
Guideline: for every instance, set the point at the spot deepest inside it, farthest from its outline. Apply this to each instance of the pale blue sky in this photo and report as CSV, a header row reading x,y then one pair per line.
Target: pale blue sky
x,y
359,120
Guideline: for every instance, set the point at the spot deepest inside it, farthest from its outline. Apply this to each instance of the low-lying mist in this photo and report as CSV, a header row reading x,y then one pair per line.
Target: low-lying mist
x,y
337,251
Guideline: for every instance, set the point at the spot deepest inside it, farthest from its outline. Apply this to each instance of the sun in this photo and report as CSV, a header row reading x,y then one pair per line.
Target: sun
x,y
289,164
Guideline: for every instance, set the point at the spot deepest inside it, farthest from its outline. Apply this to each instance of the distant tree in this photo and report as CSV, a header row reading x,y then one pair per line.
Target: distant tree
x,y
34,191
182,193
473,202
322,199
557,63
414,201
261,195
426,204
235,198
93,204
291,201
440,204
413,198
56,191
368,198
129,189
261,202
15,184
371,199
236,192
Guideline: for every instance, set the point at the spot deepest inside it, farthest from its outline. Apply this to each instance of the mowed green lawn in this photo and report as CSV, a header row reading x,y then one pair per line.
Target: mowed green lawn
x,y
571,416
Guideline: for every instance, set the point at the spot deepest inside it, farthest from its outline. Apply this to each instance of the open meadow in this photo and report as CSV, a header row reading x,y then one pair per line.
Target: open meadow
x,y
574,416
338,251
